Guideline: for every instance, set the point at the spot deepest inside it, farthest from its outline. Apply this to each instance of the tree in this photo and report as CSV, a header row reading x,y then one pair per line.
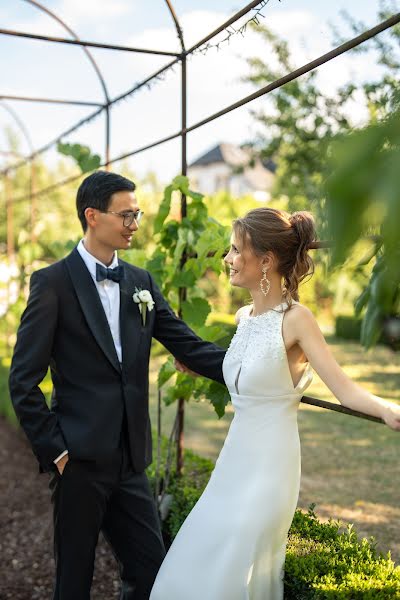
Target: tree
x,y
364,197
313,141
297,127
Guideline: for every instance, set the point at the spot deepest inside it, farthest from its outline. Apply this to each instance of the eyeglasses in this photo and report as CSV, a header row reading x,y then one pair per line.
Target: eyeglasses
x,y
128,217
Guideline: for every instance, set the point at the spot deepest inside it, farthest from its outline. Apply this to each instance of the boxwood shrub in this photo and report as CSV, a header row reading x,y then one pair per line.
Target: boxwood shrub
x,y
323,561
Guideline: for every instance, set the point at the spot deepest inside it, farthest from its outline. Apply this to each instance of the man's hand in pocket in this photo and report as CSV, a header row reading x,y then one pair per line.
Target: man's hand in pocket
x,y
60,464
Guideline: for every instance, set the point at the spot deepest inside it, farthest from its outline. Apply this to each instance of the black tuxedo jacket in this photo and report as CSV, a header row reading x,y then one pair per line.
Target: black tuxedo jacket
x,y
64,326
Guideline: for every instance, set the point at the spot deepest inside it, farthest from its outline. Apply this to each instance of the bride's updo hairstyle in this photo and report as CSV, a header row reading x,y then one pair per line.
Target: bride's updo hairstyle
x,y
287,236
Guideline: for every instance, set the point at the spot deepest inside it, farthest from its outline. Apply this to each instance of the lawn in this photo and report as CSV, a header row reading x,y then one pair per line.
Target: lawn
x,y
350,467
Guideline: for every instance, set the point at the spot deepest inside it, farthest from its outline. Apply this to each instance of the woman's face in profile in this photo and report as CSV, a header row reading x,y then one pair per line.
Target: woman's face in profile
x,y
245,266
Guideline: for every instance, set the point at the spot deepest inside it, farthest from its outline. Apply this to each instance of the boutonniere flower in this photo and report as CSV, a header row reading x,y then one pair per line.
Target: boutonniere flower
x,y
145,301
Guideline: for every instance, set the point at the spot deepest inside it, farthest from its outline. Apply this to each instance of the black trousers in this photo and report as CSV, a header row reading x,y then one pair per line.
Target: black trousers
x,y
90,497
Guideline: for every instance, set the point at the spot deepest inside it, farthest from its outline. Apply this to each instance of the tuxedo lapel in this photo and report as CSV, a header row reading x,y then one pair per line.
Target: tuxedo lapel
x,y
91,305
130,319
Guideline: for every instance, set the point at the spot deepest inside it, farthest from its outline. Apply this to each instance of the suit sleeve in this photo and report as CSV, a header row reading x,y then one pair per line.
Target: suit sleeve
x,y
29,366
202,357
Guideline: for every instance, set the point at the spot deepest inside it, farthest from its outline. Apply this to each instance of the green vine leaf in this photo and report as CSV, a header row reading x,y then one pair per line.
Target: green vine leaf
x,y
181,258
219,397
164,209
182,279
195,311
166,372
82,155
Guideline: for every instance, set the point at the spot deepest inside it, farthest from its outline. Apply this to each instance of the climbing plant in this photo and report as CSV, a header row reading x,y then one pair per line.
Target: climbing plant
x,y
187,249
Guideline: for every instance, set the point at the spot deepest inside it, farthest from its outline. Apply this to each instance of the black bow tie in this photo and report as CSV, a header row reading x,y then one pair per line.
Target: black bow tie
x,y
115,274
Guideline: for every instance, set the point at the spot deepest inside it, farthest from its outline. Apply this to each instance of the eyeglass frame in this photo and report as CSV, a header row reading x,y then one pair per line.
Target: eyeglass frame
x,y
133,216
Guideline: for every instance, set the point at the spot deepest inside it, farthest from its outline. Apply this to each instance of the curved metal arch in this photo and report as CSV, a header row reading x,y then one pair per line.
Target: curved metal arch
x,y
8,198
183,60
19,122
44,9
177,24
47,11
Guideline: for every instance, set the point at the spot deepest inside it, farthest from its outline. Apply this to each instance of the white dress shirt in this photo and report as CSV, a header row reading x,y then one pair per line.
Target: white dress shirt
x,y
109,295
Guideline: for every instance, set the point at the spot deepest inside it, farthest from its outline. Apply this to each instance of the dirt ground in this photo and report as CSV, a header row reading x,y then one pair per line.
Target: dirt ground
x,y
26,545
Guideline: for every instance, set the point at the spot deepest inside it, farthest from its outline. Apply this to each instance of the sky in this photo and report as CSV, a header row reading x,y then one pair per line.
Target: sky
x,y
215,79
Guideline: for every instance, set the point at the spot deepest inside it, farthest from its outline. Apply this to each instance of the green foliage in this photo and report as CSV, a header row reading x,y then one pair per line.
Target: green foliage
x,y
6,408
298,126
82,155
347,328
363,198
363,191
187,249
322,562
302,128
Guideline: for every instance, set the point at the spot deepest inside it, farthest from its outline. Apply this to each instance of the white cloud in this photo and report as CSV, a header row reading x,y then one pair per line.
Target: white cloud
x,y
75,13
213,79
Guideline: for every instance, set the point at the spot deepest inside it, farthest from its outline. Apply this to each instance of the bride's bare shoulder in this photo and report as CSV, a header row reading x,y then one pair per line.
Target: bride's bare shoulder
x,y
243,310
299,311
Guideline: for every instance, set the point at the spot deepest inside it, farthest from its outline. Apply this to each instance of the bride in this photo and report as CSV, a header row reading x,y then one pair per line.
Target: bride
x,y
232,545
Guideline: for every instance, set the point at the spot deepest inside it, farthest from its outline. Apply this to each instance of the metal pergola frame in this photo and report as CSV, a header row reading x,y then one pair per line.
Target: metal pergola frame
x,y
178,58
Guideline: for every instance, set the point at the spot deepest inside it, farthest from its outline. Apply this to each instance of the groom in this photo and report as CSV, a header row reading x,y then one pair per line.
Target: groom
x,y
82,321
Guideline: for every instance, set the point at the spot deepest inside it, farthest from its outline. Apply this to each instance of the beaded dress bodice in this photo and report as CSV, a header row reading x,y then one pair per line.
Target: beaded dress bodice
x,y
257,360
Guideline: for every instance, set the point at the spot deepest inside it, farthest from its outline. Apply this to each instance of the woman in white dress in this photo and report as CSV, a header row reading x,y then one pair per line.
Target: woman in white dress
x,y
232,545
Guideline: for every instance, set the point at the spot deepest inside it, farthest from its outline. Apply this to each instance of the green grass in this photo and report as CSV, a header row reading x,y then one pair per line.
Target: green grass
x,y
350,467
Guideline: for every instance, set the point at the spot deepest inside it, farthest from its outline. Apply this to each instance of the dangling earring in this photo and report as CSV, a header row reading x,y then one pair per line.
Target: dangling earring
x,y
265,283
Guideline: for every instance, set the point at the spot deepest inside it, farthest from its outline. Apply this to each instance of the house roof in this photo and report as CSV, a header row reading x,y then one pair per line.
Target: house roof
x,y
212,156
230,154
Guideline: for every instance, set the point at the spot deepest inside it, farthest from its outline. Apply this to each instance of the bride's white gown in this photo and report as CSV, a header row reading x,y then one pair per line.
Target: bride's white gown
x,y
232,545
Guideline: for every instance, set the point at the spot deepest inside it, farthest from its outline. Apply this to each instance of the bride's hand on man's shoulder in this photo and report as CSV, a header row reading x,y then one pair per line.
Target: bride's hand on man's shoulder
x,y
391,416
183,368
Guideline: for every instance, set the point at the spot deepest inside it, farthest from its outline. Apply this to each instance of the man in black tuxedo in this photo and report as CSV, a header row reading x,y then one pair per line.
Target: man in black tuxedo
x,y
82,320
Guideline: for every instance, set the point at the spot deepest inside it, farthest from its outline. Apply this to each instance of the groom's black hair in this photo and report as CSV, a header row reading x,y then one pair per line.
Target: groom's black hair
x,y
96,190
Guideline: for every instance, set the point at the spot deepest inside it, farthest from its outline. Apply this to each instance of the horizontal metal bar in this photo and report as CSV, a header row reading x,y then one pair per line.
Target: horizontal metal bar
x,y
265,90
89,118
59,40
78,176
279,82
51,100
340,408
134,88
349,45
40,151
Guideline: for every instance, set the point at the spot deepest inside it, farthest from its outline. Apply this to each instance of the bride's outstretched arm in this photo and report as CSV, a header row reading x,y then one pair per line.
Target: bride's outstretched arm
x,y
306,332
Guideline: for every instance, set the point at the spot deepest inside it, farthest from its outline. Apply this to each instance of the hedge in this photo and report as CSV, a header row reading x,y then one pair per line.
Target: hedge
x,y
322,561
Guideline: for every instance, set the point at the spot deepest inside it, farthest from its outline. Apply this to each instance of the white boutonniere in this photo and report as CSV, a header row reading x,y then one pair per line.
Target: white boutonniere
x,y
145,301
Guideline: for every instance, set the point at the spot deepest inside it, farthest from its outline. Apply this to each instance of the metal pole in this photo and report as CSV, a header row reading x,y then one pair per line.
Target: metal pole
x,y
47,38
341,409
49,100
108,130
10,220
353,43
31,196
136,86
89,56
182,291
33,201
180,415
